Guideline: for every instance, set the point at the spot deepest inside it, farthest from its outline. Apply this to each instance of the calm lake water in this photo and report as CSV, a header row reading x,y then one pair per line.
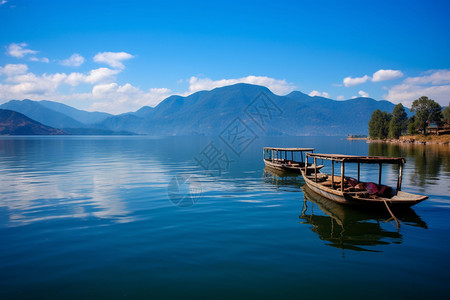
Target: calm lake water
x,y
193,218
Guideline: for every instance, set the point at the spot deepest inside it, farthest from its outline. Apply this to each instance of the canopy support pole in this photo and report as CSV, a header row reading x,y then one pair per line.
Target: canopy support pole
x,y
315,169
332,174
306,164
399,181
379,174
359,171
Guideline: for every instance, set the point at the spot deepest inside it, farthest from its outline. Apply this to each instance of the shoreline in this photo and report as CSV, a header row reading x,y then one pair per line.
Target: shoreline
x,y
416,139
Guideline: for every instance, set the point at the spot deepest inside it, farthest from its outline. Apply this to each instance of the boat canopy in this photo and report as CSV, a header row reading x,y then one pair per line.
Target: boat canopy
x,y
359,159
289,149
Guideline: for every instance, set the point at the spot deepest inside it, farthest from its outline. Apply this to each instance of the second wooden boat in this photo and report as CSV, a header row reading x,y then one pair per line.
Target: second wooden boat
x,y
288,159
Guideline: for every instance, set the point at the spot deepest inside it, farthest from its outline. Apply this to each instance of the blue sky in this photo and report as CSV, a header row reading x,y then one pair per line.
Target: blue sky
x,y
117,56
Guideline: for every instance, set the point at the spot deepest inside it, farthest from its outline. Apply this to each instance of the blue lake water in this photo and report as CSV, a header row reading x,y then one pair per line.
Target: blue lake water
x,y
192,218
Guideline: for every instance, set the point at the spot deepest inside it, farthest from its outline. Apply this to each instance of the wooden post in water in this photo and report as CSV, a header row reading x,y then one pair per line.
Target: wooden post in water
x,y
399,181
379,175
332,174
342,176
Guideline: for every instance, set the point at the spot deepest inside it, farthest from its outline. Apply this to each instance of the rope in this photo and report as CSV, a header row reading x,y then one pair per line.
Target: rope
x,y
392,215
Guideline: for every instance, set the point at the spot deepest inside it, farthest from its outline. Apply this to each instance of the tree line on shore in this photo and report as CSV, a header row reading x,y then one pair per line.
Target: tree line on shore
x,y
384,125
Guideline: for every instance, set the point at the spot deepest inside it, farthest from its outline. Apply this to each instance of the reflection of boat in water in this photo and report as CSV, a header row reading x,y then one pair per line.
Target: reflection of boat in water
x,y
281,179
351,228
288,160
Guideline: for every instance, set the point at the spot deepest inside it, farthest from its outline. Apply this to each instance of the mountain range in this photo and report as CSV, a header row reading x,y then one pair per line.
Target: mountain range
x,y
210,112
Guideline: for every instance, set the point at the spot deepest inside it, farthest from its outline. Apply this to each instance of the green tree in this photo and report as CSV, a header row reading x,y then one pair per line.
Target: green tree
x,y
398,122
427,110
446,114
412,125
379,124
386,118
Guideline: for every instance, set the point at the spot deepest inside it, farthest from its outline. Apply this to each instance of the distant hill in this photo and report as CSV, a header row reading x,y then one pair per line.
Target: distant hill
x,y
70,120
41,113
143,111
14,123
82,116
209,112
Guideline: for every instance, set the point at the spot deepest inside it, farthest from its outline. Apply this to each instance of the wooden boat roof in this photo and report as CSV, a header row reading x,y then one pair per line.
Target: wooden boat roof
x,y
288,149
359,159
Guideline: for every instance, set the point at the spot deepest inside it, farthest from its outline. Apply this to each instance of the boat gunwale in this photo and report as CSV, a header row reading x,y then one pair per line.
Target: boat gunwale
x,y
295,167
358,158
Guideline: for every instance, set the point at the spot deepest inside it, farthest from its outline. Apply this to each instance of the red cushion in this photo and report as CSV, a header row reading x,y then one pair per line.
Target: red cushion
x,y
372,188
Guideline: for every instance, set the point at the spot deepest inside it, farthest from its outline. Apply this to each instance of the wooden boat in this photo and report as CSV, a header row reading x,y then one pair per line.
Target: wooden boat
x,y
347,190
287,159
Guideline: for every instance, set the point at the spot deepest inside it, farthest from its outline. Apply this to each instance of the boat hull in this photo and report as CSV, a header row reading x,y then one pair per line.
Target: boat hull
x,y
400,201
289,168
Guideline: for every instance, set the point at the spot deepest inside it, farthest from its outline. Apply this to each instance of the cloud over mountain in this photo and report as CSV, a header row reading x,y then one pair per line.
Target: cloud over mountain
x,y
113,59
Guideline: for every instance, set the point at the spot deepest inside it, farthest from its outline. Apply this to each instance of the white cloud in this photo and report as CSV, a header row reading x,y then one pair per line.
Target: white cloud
x,y
113,59
3,2
42,59
349,81
115,98
435,84
13,69
94,76
21,85
340,98
363,94
161,91
435,77
277,86
24,85
317,93
75,60
382,75
101,75
101,90
18,50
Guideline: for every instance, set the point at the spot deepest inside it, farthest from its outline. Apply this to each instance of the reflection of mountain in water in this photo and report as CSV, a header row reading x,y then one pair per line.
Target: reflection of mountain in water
x,y
284,181
348,228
